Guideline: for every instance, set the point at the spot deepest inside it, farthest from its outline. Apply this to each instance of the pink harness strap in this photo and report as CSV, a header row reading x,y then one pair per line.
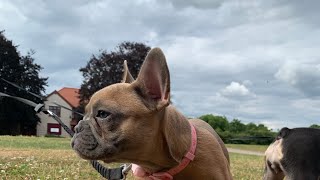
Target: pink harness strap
x,y
139,172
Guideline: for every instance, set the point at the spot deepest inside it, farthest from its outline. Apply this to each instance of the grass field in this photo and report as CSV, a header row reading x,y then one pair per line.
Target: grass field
x,y
258,148
52,158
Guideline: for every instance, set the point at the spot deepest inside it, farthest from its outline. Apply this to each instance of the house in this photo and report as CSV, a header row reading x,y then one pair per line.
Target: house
x,y
66,97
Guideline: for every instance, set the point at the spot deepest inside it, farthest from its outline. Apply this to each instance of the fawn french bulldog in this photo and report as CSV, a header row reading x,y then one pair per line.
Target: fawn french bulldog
x,y
134,122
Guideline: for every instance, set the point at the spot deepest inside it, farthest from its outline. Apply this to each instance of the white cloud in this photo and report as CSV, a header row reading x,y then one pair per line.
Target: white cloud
x,y
247,83
311,104
201,4
235,89
303,76
287,73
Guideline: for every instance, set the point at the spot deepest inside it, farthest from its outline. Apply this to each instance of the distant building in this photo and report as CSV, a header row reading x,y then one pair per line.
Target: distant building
x,y
67,97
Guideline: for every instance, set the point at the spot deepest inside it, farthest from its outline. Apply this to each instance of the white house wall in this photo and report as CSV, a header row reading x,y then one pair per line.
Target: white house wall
x,y
65,116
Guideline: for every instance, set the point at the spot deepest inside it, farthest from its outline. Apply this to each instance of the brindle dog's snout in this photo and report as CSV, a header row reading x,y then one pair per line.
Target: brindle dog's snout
x,y
78,128
83,136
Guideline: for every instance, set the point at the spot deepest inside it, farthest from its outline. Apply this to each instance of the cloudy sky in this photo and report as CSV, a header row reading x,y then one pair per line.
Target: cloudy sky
x,y
257,61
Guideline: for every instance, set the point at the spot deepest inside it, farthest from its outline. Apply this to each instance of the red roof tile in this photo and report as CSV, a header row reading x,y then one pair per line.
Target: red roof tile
x,y
71,95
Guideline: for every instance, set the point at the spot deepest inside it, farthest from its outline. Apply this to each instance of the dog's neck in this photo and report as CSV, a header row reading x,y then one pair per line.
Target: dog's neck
x,y
170,144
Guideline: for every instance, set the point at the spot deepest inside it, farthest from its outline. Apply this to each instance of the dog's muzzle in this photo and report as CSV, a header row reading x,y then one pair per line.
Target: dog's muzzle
x,y
83,141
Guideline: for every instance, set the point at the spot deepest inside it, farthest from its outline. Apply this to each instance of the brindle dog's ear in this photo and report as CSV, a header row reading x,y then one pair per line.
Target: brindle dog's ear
x,y
127,77
283,133
153,82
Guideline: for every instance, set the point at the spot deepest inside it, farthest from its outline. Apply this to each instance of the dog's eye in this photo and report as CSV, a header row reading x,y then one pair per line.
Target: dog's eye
x,y
102,114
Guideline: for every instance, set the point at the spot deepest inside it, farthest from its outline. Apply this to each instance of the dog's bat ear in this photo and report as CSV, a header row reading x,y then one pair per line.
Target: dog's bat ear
x,y
283,133
154,79
127,77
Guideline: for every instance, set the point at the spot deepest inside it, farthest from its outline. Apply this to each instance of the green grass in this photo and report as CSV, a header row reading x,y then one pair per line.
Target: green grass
x,y
52,158
44,164
33,142
258,148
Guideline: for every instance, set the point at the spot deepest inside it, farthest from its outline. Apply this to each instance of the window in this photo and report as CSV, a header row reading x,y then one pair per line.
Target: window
x,y
56,110
54,129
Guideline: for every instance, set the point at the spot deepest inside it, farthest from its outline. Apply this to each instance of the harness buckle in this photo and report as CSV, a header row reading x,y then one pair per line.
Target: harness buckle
x,y
39,107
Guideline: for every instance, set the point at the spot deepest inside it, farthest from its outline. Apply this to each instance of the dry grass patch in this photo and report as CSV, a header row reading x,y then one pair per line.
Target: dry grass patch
x,y
246,167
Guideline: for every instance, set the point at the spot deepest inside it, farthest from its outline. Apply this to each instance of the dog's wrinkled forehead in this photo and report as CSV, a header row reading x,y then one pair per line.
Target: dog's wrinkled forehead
x,y
116,98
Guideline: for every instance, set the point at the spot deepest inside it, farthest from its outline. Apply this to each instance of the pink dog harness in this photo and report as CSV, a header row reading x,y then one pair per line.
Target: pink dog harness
x,y
140,172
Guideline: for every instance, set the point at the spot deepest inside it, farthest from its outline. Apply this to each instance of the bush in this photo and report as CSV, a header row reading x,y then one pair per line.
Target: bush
x,y
238,133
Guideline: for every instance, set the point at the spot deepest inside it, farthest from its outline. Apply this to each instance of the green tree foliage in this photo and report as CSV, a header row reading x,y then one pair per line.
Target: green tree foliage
x,y
236,126
238,132
219,123
315,126
16,117
107,68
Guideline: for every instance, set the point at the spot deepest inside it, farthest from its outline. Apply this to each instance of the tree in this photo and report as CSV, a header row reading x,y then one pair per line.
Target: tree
x,y
107,68
236,126
16,117
219,123
237,132
251,127
315,126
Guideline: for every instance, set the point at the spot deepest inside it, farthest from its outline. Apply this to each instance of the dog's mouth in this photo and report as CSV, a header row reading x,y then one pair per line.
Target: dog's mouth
x,y
76,143
91,146
84,145
87,147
